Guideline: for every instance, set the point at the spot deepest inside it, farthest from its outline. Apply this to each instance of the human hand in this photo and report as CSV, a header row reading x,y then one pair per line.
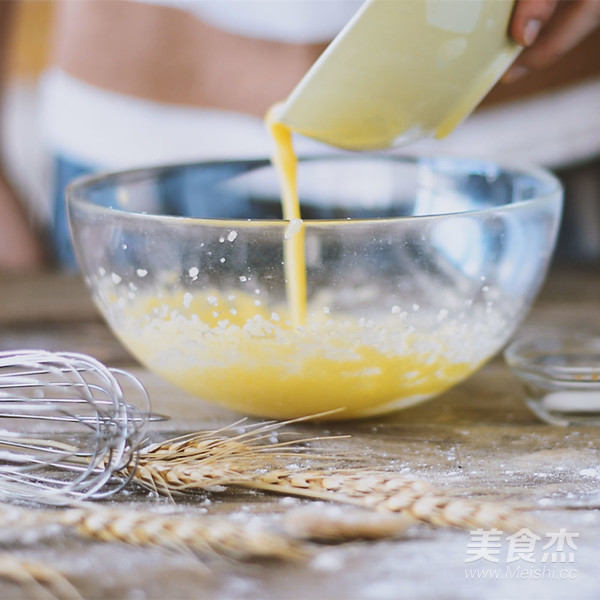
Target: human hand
x,y
548,29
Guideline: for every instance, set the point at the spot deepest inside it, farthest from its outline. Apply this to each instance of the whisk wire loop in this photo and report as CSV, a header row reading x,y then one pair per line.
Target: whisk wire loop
x,y
65,427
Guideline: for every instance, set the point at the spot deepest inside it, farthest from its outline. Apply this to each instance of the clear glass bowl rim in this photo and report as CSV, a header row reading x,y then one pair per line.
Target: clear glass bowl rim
x,y
520,356
75,190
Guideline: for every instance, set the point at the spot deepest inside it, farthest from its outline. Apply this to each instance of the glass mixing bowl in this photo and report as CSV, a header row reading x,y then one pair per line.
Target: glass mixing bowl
x,y
418,271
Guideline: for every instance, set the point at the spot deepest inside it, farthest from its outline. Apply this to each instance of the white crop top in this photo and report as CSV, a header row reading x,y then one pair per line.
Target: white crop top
x,y
292,21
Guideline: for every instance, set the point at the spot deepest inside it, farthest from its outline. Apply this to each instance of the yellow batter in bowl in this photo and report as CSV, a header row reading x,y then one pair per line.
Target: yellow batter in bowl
x,y
224,348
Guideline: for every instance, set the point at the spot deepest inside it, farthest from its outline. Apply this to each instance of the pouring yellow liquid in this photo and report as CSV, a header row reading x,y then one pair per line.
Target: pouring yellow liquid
x,y
286,163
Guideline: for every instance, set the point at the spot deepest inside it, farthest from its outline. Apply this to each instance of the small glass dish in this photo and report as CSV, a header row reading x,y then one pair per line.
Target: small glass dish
x,y
560,377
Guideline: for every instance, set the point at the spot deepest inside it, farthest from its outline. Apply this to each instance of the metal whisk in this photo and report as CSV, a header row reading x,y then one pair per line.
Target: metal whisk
x,y
65,427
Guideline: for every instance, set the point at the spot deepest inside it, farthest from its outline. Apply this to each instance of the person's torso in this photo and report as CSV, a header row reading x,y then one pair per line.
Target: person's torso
x,y
173,56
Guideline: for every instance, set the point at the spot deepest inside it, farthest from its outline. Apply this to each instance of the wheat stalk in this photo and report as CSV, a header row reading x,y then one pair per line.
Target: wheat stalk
x,y
335,524
203,461
361,487
200,534
390,492
382,491
41,581
172,465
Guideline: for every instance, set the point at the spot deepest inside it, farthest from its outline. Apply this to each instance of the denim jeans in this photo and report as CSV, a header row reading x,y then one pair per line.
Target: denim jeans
x,y
65,171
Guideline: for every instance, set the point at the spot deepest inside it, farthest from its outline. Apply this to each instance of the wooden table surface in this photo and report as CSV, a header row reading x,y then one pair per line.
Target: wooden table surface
x,y
479,437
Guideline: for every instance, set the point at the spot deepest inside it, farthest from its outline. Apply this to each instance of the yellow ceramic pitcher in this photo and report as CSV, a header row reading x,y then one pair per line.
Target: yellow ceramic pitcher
x,y
402,70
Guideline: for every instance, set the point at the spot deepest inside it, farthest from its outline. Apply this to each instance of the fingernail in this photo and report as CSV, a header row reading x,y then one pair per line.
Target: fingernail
x,y
531,31
514,73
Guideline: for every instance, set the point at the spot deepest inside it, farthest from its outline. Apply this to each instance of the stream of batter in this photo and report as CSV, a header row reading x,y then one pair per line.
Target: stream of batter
x,y
286,163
